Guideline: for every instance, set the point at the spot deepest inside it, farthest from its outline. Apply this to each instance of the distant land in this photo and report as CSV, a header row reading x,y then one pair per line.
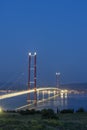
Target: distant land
x,y
81,86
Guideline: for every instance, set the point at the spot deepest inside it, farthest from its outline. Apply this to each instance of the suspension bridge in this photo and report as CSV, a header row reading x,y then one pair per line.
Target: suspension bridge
x,y
52,92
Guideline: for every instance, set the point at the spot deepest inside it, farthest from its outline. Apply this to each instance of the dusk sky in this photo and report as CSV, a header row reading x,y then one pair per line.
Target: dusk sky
x,y
55,29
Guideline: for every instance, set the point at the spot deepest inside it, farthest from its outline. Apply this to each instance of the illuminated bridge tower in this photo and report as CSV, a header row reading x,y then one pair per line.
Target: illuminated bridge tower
x,y
32,75
58,79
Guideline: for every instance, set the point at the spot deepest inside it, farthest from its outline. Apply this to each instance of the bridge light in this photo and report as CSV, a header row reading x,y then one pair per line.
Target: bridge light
x,y
29,53
58,73
35,53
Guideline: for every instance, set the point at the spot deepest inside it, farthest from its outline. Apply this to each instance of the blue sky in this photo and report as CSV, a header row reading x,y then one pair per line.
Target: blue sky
x,y
56,30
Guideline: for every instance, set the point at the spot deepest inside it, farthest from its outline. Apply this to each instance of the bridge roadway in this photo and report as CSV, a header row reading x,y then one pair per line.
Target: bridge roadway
x,y
9,95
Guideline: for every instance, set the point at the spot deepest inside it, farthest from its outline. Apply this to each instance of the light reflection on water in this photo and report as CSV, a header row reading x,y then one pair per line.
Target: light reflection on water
x,y
73,101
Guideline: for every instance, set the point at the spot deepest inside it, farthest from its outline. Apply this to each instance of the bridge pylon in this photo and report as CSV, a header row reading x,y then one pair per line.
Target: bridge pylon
x,y
32,76
58,79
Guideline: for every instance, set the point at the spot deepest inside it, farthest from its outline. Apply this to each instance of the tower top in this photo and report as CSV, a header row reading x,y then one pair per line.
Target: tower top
x,y
34,54
29,53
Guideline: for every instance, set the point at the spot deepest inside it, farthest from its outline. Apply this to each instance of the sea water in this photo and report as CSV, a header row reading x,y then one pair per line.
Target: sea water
x,y
72,101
